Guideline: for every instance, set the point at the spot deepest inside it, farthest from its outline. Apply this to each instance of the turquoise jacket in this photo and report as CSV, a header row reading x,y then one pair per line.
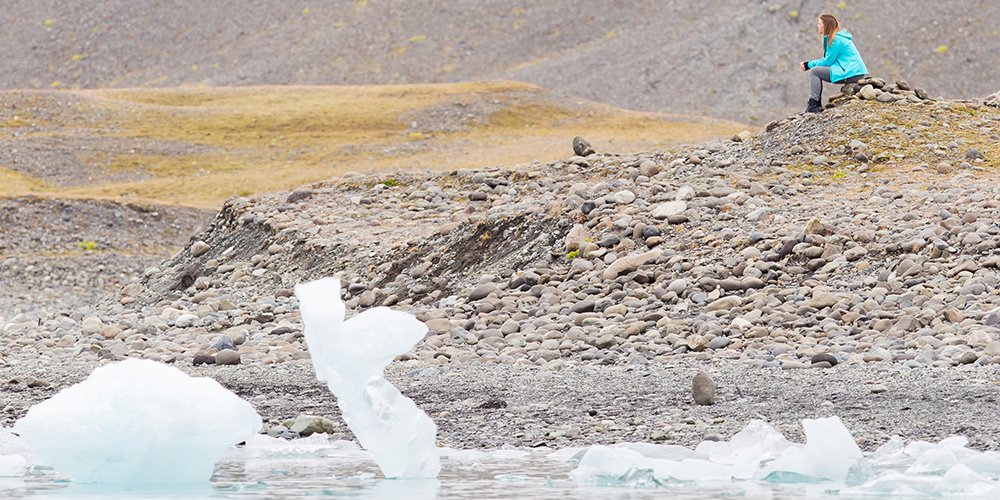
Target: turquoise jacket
x,y
842,57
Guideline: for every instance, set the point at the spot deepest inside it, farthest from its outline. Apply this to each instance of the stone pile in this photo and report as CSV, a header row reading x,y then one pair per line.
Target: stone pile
x,y
993,100
876,89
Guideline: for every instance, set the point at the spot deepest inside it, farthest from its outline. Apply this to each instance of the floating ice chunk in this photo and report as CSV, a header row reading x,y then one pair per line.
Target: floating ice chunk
x,y
604,463
828,454
953,442
623,465
138,422
896,484
573,454
933,461
664,451
315,445
963,480
351,356
15,457
482,456
507,455
690,470
462,455
957,481
930,458
987,463
756,443
12,465
891,453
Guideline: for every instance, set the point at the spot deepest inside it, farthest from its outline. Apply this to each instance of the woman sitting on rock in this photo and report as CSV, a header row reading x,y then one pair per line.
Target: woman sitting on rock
x,y
841,62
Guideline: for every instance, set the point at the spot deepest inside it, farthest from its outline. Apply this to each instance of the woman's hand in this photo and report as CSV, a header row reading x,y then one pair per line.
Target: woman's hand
x,y
802,66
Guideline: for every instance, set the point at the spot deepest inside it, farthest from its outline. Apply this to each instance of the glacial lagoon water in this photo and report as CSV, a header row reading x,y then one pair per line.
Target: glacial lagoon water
x,y
137,429
315,467
324,475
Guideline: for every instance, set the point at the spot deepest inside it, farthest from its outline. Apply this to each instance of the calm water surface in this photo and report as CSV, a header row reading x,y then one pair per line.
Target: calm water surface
x,y
351,475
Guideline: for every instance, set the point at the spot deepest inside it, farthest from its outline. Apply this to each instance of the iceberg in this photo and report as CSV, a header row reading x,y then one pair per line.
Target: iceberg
x,y
351,356
757,443
138,422
829,454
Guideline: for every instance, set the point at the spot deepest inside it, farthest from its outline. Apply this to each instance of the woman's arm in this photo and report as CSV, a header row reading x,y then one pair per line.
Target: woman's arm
x,y
832,53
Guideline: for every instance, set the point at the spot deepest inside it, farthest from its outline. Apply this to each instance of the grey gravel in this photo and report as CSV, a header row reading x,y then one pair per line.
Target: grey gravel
x,y
609,404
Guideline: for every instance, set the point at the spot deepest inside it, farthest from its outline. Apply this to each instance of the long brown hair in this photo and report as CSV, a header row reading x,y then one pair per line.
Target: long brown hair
x,y
830,28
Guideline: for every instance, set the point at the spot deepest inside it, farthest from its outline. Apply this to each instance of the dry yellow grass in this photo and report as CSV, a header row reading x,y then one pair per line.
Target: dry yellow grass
x,y
246,140
14,183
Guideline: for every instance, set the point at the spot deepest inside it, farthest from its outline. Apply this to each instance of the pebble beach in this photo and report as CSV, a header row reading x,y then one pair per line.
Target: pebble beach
x,y
841,264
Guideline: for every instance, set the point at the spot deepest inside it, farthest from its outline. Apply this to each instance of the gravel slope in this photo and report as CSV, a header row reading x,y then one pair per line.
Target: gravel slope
x,y
721,58
65,255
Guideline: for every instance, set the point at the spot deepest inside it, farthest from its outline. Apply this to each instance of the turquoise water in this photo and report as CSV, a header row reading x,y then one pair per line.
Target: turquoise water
x,y
532,475
316,467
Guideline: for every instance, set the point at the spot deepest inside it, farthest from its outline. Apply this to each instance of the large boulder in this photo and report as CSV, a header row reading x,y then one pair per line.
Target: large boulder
x,y
993,100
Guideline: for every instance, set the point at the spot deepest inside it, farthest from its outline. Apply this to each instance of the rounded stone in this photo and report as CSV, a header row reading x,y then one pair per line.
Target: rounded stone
x,y
703,389
830,359
227,357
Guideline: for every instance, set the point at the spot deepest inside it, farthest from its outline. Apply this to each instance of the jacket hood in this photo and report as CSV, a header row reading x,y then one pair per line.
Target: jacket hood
x,y
845,34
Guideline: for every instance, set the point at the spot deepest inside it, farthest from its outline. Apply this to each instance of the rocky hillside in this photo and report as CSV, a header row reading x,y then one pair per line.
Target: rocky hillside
x,y
60,255
734,60
866,234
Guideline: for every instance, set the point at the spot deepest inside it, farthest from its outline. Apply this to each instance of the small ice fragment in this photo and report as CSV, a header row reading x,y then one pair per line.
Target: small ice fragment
x,y
891,453
461,455
756,443
987,463
958,481
316,445
500,455
471,456
828,454
573,454
604,463
664,451
12,465
937,458
351,356
138,422
933,461
895,484
690,470
15,456
961,480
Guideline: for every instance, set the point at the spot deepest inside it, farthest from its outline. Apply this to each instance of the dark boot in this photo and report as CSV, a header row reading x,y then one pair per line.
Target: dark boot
x,y
815,106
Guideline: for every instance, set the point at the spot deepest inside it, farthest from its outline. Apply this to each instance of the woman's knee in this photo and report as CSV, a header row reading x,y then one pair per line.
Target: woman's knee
x,y
821,72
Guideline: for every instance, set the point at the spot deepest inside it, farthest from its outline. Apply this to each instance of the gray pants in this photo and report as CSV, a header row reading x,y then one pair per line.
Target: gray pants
x,y
820,74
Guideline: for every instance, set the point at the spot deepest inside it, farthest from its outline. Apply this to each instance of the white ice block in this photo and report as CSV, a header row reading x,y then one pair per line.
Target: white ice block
x,y
350,356
138,422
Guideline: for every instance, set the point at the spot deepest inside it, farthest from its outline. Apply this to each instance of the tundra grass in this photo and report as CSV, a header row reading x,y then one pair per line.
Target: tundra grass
x,y
247,140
